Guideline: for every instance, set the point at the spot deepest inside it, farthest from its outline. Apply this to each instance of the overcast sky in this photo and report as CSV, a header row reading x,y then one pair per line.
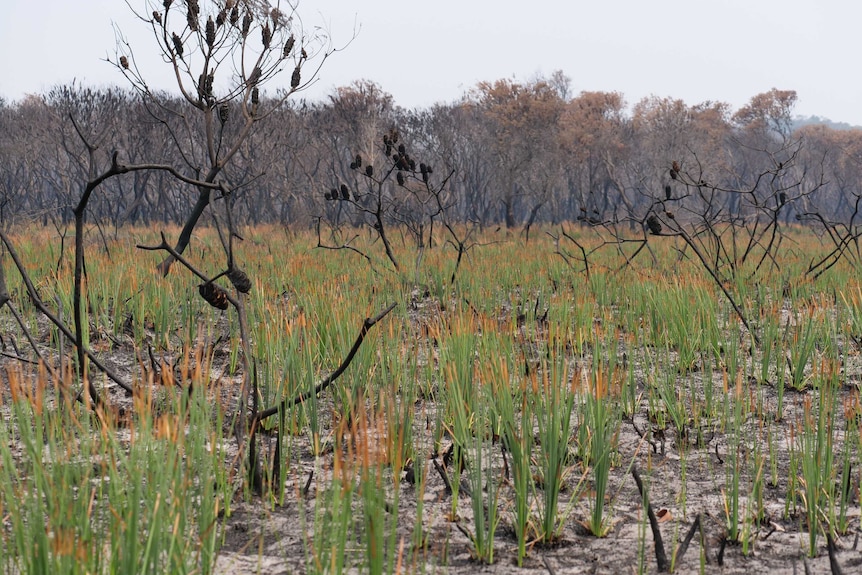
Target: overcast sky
x,y
428,52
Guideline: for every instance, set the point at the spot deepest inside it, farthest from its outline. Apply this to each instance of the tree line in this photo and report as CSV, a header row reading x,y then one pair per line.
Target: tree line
x,y
515,153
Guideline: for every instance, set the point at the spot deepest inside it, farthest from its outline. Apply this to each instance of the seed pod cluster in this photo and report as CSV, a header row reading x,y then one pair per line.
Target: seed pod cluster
x,y
654,224
221,17
205,85
214,295
124,62
234,15
425,170
255,96
157,16
224,113
356,163
667,192
342,193
403,162
240,280
400,178
295,78
288,46
369,170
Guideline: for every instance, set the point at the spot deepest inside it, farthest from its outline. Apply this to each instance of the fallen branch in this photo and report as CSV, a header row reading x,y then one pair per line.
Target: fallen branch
x,y
320,387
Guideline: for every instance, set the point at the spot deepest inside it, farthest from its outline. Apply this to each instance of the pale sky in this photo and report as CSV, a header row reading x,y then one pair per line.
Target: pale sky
x,y
428,52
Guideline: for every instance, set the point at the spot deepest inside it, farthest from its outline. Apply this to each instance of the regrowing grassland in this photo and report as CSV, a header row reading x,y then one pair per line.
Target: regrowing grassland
x,y
495,420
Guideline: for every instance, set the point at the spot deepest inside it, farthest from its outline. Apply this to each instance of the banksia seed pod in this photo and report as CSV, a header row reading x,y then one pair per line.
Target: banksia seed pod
x,y
288,46
400,177
240,280
333,194
210,32
265,35
303,54
423,168
358,161
234,16
673,174
388,149
246,24
675,166
412,163
223,113
345,192
654,225
667,192
386,141
402,149
167,3
124,62
157,16
369,170
178,45
255,96
782,197
353,165
214,295
205,86
220,18
295,78
192,20
255,75
425,177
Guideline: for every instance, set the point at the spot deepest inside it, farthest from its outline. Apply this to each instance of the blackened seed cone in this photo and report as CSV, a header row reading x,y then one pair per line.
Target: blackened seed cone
x,y
240,280
214,295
